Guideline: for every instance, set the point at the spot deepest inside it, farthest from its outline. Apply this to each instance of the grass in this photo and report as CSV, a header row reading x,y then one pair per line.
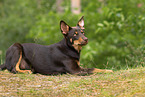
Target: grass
x,y
120,83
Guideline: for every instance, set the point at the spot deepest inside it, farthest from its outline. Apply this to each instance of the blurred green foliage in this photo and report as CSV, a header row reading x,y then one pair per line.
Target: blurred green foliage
x,y
113,27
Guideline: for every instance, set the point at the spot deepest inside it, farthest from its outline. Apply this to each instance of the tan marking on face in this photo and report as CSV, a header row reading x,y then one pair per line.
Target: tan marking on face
x,y
77,47
76,44
75,33
71,40
82,32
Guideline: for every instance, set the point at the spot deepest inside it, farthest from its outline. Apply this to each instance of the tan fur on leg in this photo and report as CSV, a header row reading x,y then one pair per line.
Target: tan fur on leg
x,y
101,71
18,66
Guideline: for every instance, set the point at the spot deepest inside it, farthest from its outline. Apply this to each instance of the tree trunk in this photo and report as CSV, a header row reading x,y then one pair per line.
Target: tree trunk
x,y
39,4
59,8
76,6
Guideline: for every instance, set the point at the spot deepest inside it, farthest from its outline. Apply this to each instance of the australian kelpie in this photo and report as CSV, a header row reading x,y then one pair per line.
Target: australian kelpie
x,y
62,57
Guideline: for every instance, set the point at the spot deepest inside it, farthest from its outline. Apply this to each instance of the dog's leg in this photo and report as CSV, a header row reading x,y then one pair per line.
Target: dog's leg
x,y
75,69
3,67
95,70
18,66
85,71
13,59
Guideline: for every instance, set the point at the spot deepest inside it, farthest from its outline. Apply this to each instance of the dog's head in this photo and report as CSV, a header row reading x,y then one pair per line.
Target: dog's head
x,y
74,36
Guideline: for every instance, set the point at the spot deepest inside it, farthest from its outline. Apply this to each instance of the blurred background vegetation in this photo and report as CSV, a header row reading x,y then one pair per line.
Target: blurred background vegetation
x,y
115,28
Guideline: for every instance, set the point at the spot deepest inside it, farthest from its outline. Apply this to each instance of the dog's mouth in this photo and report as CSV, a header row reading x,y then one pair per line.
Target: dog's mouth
x,y
83,43
78,44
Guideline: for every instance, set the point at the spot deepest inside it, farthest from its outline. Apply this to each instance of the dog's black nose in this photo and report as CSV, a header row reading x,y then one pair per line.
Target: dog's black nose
x,y
86,39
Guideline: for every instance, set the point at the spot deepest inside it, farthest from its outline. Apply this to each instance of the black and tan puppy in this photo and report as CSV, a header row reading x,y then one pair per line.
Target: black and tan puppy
x,y
59,58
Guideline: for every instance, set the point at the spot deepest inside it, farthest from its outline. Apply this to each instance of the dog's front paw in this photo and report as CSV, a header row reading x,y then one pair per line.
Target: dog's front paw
x,y
109,71
95,70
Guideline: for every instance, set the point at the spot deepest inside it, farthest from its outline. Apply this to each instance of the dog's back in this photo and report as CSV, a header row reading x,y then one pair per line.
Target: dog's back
x,y
58,58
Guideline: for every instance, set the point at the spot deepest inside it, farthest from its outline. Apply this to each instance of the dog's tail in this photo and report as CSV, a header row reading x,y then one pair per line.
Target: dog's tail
x,y
3,67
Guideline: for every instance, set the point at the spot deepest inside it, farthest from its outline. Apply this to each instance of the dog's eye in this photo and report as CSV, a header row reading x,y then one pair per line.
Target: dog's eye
x,y
82,31
76,33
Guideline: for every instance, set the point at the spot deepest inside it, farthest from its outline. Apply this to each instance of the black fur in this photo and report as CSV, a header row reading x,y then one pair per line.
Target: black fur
x,y
62,57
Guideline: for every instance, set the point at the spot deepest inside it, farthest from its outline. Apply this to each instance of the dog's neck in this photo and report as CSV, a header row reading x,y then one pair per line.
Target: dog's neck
x,y
69,49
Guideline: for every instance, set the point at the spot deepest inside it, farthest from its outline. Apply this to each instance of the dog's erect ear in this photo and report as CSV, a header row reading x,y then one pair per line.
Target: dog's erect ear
x,y
81,23
64,27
